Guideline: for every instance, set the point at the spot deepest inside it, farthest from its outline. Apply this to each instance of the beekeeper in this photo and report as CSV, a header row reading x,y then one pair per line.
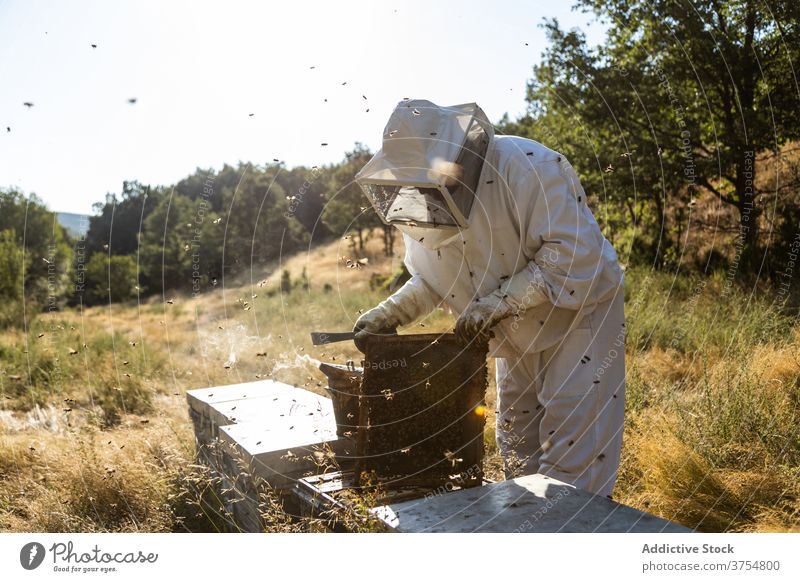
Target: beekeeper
x,y
498,229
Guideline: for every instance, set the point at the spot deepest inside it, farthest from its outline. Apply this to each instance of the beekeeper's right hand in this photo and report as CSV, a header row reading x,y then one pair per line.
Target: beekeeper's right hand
x,y
409,303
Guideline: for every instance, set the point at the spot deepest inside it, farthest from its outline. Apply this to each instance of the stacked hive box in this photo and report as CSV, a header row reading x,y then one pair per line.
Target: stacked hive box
x,y
262,435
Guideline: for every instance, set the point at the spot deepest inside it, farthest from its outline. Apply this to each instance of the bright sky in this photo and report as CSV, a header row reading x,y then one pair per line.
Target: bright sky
x,y
198,70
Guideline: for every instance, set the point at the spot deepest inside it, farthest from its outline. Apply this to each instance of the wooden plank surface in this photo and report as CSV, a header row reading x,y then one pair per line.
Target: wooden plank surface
x,y
533,503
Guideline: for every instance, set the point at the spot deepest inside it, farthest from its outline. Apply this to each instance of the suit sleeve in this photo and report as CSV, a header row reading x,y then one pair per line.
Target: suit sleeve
x,y
572,266
423,294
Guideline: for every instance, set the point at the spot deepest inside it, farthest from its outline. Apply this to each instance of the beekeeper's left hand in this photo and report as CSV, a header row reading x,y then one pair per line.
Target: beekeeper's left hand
x,y
518,293
475,323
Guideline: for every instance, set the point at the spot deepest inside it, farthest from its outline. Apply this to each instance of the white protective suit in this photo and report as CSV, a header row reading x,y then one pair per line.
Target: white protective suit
x,y
531,242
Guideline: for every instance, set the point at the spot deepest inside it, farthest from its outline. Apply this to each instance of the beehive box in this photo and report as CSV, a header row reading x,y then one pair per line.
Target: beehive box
x,y
421,412
212,408
344,383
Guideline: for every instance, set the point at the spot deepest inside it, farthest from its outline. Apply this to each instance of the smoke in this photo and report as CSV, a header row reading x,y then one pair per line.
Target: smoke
x,y
48,418
296,369
304,362
223,343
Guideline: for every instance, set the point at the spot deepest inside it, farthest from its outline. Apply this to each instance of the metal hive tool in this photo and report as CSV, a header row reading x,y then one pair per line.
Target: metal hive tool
x,y
421,414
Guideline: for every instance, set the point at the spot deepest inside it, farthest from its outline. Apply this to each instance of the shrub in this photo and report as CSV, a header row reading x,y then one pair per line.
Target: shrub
x,y
110,278
286,281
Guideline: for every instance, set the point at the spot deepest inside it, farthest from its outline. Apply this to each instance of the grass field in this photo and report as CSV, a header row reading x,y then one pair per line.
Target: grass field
x,y
95,433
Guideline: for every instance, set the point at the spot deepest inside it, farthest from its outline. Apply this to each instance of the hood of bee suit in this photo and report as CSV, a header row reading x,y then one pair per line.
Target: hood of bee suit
x,y
424,178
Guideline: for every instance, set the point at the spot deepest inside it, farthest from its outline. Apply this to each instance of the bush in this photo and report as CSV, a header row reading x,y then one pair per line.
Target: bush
x,y
110,278
286,282
13,264
13,313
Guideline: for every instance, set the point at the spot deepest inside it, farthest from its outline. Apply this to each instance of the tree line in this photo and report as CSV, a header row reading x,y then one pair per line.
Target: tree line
x,y
681,122
187,237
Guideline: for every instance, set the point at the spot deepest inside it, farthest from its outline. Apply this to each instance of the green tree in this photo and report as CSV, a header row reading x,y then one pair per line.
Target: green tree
x,y
119,220
680,97
166,245
110,278
45,245
208,184
347,210
305,189
257,222
13,264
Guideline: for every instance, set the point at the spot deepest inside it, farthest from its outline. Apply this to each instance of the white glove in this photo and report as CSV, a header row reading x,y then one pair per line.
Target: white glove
x,y
522,291
407,304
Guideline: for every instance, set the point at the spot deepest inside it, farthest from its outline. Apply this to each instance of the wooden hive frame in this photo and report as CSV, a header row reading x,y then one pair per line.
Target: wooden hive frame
x,y
421,412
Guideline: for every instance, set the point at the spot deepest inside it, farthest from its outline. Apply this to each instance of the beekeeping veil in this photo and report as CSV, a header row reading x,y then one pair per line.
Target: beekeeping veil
x,y
424,178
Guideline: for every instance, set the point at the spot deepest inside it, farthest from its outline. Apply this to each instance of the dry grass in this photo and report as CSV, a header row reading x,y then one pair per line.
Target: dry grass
x,y
77,477
663,474
712,437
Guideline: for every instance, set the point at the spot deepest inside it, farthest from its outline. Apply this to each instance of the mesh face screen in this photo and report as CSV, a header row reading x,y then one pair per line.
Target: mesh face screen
x,y
424,206
428,206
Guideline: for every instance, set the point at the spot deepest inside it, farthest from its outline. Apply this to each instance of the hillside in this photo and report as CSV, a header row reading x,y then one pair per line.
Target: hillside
x,y
712,438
